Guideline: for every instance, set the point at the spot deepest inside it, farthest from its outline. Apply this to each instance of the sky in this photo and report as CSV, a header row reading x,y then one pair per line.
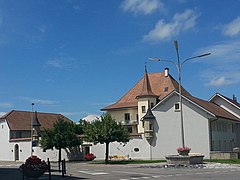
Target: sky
x,y
75,57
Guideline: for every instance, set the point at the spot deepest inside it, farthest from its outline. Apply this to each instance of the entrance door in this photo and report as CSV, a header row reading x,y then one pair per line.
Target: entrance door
x,y
16,151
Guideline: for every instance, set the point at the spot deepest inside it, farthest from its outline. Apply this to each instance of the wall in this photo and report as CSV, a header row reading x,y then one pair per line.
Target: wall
x,y
121,149
167,129
5,151
224,135
118,115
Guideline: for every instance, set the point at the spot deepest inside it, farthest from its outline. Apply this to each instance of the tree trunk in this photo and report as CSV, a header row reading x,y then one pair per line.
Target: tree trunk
x,y
107,152
59,159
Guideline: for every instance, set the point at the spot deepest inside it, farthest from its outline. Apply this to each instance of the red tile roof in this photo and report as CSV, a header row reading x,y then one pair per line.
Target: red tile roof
x,y
160,86
214,109
21,120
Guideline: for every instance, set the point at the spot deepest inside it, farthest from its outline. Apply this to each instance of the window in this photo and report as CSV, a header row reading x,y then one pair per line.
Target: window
x,y
129,129
177,106
166,89
150,127
143,109
152,104
127,116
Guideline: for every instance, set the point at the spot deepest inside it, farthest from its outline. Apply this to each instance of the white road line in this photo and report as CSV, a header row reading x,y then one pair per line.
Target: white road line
x,y
127,172
93,173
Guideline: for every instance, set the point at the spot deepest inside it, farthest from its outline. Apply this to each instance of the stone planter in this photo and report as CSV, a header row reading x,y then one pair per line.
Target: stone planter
x,y
178,160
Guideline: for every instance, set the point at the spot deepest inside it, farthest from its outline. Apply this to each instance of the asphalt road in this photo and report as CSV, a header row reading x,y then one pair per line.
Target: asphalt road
x,y
129,172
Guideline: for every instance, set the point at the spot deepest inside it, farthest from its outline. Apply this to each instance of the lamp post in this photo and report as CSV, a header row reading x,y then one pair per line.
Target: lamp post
x,y
32,130
179,65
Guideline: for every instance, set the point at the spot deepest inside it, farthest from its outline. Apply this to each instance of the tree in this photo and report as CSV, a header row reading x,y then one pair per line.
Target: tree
x,y
105,130
62,135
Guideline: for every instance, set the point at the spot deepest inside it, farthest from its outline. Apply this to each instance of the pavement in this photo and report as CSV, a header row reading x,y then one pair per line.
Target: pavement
x,y
10,170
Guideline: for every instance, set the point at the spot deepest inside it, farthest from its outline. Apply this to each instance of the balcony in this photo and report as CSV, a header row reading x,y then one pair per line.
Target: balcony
x,y
129,122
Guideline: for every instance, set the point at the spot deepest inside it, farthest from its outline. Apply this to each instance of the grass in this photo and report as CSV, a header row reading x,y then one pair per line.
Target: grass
x,y
130,161
224,161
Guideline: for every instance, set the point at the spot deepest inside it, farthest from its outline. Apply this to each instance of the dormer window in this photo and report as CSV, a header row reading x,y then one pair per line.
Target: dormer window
x,y
143,109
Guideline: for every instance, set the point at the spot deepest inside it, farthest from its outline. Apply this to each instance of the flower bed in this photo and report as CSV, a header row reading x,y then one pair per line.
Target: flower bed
x,y
183,151
89,157
33,167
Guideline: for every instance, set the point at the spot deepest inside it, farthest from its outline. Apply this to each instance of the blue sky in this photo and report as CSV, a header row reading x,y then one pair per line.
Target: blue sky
x,y
77,56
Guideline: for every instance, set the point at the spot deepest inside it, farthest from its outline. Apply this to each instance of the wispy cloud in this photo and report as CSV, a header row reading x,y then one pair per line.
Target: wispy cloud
x,y
145,7
66,63
232,28
181,22
39,101
224,62
5,105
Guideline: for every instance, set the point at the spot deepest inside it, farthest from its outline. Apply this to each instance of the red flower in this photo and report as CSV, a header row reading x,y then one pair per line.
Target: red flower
x,y
89,157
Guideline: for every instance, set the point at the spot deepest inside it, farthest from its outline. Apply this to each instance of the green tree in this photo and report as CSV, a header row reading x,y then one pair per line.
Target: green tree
x,y
105,130
62,135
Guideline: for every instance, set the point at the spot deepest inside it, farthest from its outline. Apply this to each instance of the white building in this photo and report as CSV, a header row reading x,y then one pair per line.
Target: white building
x,y
156,131
16,142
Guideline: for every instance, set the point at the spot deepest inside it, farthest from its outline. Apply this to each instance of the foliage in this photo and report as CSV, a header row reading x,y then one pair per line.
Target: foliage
x,y
89,157
62,135
105,130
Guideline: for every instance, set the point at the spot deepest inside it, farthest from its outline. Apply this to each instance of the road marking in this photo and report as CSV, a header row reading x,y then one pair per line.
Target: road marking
x,y
93,173
127,172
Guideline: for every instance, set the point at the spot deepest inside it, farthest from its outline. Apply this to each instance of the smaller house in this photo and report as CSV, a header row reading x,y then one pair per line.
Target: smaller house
x,y
20,132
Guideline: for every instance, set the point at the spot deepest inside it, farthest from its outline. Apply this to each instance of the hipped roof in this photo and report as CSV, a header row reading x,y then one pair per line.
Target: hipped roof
x,y
22,120
161,86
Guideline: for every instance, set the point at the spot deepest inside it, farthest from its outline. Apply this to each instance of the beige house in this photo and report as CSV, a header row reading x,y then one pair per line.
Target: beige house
x,y
151,111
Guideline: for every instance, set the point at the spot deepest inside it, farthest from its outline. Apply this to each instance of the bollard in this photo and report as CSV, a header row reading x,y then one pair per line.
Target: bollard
x,y
49,169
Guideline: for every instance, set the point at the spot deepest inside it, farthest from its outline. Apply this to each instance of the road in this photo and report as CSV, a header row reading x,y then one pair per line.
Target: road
x,y
131,172
142,172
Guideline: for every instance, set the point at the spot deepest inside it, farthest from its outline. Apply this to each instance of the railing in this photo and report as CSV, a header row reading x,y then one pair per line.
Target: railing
x,y
129,122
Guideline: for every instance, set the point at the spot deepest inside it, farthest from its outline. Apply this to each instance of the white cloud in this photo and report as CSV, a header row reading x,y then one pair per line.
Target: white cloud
x,y
2,113
223,52
5,105
232,28
181,22
224,64
39,101
91,117
220,81
145,7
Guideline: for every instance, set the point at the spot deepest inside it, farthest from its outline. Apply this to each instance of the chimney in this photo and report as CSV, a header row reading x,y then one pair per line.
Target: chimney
x,y
234,98
166,72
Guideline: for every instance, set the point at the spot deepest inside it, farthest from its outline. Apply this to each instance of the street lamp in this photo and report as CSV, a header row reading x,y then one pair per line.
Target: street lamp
x,y
179,65
32,130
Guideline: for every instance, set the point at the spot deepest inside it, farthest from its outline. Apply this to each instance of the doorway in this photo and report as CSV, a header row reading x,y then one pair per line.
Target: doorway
x,y
16,152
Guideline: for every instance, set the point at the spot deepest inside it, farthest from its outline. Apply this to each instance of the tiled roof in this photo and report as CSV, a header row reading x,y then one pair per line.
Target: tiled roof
x,y
160,86
229,99
146,87
214,108
22,120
